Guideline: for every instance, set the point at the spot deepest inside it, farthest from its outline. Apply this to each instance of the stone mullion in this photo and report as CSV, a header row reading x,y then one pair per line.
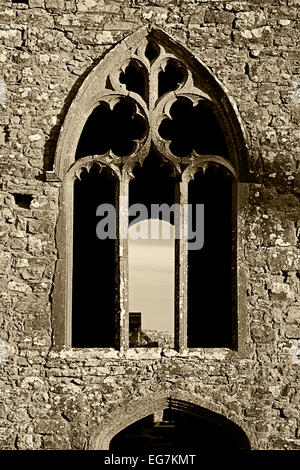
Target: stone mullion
x,y
62,294
153,96
69,197
153,87
122,263
181,266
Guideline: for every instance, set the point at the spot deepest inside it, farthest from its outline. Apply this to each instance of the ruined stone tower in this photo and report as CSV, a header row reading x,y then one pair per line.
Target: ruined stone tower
x,y
89,91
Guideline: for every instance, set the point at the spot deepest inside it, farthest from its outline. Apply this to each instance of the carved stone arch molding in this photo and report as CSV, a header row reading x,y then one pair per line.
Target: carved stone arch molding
x,y
199,83
150,54
123,416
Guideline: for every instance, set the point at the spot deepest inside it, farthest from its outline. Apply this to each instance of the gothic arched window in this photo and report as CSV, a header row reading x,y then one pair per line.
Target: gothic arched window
x,y
153,129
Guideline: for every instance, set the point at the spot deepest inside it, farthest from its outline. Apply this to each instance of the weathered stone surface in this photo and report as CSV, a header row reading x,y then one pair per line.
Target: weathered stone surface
x,y
262,35
55,6
249,20
223,17
36,3
56,399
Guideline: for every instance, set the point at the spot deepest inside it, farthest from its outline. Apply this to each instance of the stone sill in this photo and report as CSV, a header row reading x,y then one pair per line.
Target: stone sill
x,y
143,353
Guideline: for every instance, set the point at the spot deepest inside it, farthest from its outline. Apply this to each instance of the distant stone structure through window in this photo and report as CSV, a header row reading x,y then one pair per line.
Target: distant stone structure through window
x,y
151,275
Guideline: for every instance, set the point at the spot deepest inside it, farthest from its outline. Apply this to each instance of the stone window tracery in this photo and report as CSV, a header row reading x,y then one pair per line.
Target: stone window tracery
x,y
151,101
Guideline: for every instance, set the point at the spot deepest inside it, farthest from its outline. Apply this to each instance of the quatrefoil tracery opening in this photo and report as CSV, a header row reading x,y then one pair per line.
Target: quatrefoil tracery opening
x,y
193,127
115,126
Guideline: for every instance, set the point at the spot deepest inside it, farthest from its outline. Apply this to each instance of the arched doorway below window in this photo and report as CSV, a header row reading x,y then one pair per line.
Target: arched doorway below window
x,y
172,429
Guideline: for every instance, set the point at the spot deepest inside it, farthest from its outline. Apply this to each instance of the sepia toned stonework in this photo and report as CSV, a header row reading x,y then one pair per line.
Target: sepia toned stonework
x,y
53,396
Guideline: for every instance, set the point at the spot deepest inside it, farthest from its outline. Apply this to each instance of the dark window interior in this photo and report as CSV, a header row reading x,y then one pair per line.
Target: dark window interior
x,y
210,270
135,79
171,77
111,129
193,128
23,200
179,431
152,183
152,51
93,319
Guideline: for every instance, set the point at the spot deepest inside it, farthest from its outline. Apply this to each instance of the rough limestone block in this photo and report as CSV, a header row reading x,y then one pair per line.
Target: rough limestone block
x,y
54,6
37,3
293,315
249,20
219,17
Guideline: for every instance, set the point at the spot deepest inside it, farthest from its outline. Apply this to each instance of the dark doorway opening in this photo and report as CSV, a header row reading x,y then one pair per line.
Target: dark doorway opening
x,y
178,430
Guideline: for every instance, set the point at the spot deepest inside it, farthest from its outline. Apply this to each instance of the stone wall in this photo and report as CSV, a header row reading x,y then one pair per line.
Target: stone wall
x,y
58,399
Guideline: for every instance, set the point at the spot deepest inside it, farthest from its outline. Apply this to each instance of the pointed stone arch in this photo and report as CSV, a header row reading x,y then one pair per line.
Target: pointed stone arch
x,y
123,416
103,85
91,90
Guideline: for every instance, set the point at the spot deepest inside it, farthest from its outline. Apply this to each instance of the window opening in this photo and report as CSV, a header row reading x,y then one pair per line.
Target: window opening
x,y
211,276
107,119
152,256
158,132
151,284
23,200
152,51
134,78
193,127
94,266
